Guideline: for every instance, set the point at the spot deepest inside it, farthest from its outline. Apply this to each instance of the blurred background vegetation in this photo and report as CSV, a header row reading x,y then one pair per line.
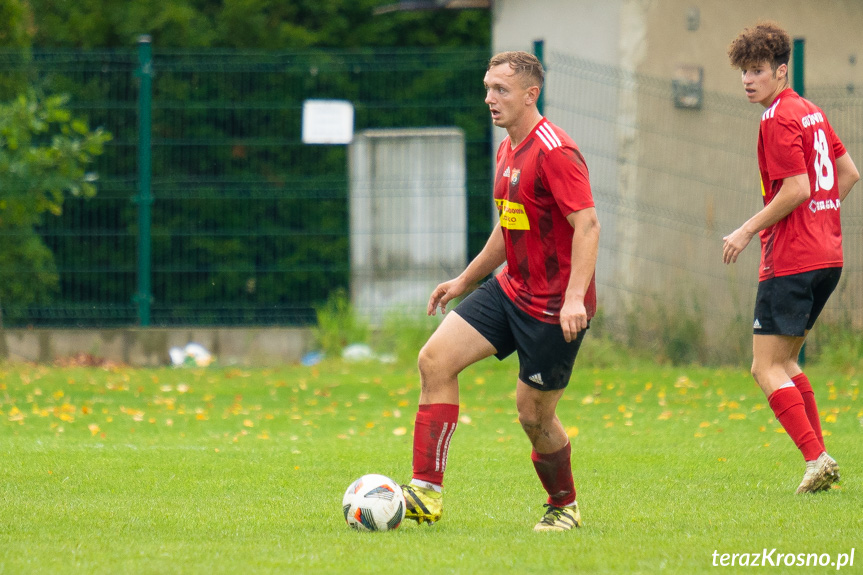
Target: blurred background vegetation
x,y
249,226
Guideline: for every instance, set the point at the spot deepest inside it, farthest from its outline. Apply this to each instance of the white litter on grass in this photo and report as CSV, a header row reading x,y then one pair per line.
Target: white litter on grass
x,y
362,352
357,352
194,354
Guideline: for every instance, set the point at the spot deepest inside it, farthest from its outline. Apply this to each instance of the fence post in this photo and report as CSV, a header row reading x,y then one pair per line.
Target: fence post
x,y
144,199
538,49
797,61
799,85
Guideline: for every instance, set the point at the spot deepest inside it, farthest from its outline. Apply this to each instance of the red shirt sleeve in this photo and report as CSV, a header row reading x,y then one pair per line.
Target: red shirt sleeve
x,y
565,174
838,149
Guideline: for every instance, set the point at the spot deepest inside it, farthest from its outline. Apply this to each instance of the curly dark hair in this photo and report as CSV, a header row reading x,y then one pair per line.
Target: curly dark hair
x,y
524,64
764,42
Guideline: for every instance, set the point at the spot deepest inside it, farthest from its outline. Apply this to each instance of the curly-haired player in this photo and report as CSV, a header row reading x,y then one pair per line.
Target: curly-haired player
x,y
805,176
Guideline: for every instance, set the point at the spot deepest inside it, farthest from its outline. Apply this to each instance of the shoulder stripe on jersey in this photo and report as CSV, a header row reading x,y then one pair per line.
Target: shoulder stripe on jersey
x,y
548,137
771,111
551,133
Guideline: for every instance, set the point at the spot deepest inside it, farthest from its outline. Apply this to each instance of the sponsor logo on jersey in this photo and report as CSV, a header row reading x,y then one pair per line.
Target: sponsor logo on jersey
x,y
811,119
506,172
818,205
512,215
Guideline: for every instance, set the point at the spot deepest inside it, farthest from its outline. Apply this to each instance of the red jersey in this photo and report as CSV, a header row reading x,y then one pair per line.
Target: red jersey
x,y
536,186
796,138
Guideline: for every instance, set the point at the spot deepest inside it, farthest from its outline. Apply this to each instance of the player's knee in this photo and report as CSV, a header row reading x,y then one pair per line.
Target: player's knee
x,y
429,362
424,360
531,418
760,370
531,424
538,429
755,369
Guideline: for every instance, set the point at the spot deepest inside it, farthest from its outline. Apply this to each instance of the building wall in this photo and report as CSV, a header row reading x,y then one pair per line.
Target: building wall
x,y
833,33
585,28
652,36
670,182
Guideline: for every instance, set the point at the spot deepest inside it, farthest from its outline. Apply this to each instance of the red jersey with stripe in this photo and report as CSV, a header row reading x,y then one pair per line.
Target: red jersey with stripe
x,y
796,138
536,186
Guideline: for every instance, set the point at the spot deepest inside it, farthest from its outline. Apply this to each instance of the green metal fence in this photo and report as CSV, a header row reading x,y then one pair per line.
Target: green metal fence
x,y
231,219
250,226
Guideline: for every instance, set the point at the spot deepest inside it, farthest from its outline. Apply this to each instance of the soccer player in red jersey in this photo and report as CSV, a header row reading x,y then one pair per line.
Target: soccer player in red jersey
x,y
539,305
805,176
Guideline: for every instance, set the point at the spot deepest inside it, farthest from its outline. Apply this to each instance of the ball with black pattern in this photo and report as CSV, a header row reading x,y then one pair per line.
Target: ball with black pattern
x,y
374,503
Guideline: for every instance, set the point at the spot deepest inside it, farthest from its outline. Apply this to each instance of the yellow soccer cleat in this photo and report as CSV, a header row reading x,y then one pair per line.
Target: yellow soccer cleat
x,y
423,505
559,518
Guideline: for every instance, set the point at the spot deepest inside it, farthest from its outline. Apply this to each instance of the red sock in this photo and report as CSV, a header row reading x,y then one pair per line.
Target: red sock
x,y
433,429
801,382
555,473
787,405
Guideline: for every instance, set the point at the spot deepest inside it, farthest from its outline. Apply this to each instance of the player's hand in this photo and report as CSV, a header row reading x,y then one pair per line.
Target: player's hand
x,y
573,318
442,295
734,243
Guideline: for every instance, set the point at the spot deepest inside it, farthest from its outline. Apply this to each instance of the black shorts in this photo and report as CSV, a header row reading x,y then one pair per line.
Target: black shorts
x,y
545,357
789,305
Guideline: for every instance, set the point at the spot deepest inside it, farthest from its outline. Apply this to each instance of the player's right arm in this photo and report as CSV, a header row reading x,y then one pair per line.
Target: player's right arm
x,y
794,191
492,255
846,175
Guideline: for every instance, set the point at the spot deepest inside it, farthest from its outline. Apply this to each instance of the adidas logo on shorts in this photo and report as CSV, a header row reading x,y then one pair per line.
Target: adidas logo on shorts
x,y
537,379
756,325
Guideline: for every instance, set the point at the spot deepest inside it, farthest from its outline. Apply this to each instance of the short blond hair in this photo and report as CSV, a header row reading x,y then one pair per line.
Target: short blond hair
x,y
525,65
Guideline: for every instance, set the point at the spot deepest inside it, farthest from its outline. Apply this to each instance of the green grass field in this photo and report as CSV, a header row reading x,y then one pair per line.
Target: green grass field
x,y
225,470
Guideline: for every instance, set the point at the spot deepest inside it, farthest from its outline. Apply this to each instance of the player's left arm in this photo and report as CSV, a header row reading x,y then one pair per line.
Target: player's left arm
x,y
585,246
794,191
846,175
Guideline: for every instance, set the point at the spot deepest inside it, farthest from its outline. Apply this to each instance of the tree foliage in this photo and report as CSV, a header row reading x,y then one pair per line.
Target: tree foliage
x,y
227,145
44,155
15,29
251,24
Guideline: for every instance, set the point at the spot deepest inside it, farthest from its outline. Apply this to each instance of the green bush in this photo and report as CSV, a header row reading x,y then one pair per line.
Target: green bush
x,y
671,334
835,345
339,325
403,334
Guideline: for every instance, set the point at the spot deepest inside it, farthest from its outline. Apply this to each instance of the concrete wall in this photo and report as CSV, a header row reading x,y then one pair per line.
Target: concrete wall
x,y
833,32
584,28
653,36
408,202
669,182
149,347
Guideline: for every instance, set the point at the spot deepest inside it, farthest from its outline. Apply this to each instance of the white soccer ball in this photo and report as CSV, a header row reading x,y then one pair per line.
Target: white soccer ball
x,y
374,503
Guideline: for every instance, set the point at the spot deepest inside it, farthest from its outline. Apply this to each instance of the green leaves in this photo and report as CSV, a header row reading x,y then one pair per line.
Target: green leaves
x,y
44,152
250,24
44,155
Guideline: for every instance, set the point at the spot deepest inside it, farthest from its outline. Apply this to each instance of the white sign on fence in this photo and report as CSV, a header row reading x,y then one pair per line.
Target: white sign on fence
x,y
328,122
